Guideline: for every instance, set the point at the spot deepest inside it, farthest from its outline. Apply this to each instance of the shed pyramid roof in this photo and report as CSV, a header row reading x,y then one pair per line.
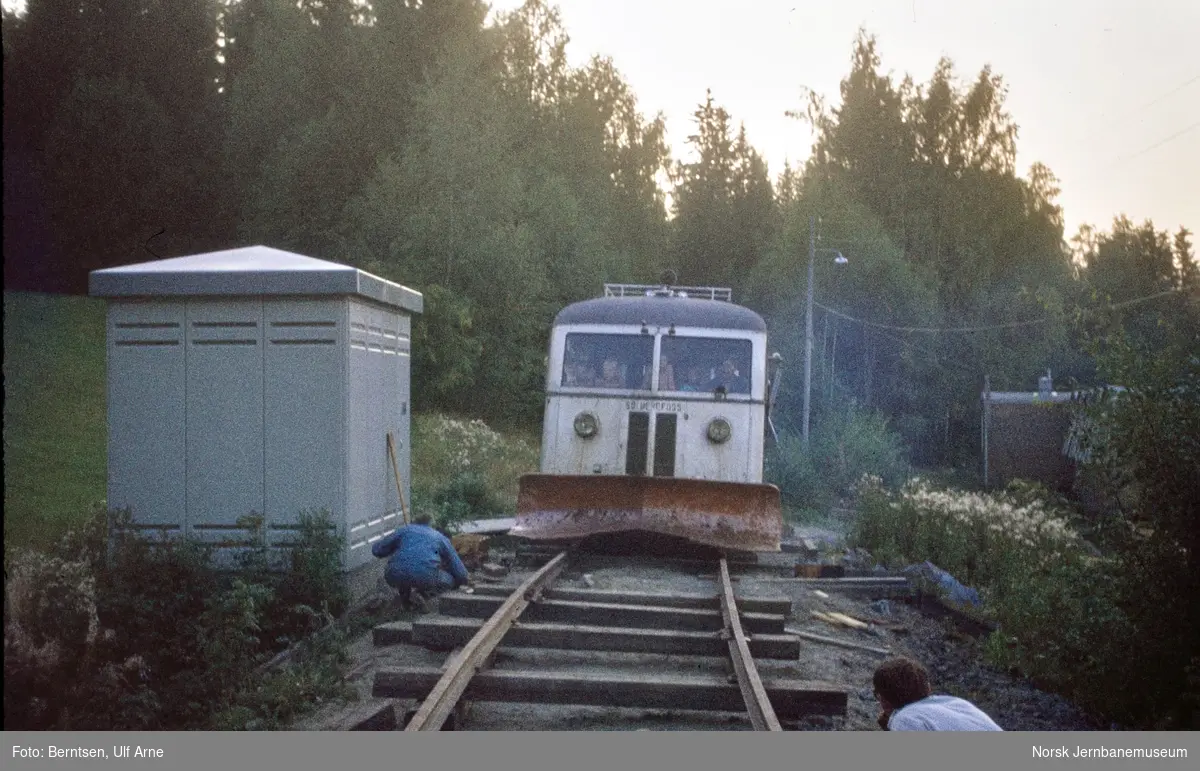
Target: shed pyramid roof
x,y
251,270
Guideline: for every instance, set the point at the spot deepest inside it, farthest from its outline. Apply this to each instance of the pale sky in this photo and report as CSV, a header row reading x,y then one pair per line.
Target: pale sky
x,y
1094,85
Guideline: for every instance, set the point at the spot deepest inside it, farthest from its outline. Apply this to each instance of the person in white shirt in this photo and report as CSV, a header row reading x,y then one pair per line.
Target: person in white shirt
x,y
909,704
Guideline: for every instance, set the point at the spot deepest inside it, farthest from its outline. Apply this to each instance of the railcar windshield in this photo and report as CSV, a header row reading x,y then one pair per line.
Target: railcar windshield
x,y
705,364
686,364
618,362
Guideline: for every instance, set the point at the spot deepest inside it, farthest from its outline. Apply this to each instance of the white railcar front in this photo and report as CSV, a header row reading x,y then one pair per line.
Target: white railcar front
x,y
656,406
679,399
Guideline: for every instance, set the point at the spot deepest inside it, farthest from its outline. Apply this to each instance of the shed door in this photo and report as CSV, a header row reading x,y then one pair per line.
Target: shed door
x,y
304,429
147,468
224,416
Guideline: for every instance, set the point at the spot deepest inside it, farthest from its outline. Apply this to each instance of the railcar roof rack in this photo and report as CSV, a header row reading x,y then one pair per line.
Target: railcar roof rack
x,y
663,290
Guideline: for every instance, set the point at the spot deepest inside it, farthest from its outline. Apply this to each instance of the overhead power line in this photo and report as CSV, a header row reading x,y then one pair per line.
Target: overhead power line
x,y
938,359
1158,144
1119,116
1172,92
877,325
984,327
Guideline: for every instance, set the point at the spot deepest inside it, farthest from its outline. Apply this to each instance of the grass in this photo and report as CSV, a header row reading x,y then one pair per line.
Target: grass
x,y
55,426
814,480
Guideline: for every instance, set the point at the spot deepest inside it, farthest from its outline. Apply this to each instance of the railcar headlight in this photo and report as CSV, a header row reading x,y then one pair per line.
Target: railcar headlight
x,y
586,425
719,430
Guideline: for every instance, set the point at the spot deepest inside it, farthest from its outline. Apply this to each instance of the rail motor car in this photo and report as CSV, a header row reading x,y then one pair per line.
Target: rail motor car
x,y
655,417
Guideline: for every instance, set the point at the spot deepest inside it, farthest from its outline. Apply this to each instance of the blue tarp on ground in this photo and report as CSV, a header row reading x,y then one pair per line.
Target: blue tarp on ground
x,y
955,591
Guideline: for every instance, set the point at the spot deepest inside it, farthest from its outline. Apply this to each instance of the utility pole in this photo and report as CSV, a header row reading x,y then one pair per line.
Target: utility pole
x,y
808,325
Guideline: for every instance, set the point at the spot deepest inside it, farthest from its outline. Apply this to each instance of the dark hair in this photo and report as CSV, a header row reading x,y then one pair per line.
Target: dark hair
x,y
421,519
901,681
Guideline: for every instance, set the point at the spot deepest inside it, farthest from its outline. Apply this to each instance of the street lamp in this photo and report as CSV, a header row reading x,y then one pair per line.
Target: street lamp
x,y
808,320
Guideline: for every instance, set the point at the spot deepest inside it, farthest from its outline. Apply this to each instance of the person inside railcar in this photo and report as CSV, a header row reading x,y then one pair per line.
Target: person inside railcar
x,y
730,378
908,703
694,378
610,373
421,563
578,367
579,373
666,374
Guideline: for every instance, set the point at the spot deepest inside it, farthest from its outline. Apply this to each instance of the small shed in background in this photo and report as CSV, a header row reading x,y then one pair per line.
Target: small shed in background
x,y
1024,436
257,381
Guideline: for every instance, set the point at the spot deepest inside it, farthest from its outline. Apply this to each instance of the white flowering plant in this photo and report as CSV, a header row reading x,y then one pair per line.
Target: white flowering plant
x,y
979,537
464,468
1057,607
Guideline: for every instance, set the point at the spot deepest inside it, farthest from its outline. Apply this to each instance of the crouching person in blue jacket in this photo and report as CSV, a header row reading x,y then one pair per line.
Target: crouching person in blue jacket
x,y
422,562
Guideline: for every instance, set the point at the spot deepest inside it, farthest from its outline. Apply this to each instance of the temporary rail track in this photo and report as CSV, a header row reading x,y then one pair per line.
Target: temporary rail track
x,y
539,615
762,714
436,707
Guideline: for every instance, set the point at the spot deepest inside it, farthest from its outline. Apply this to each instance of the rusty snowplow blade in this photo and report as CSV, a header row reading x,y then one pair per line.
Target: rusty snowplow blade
x,y
727,515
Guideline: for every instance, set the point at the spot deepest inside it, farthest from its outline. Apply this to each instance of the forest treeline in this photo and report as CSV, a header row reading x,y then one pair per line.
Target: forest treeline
x,y
459,153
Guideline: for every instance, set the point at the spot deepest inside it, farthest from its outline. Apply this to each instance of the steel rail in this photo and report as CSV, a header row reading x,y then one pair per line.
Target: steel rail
x,y
440,702
758,705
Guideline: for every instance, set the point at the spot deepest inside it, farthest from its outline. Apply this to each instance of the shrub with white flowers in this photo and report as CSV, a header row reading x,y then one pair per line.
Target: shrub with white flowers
x,y
1060,619
978,536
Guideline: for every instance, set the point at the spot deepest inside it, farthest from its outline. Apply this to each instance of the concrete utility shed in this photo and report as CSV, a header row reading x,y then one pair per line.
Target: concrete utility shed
x,y
260,381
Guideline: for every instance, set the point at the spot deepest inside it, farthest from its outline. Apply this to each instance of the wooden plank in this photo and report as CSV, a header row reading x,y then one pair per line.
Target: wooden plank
x,y
758,706
791,699
778,605
852,580
374,715
849,621
450,686
444,633
820,571
392,633
794,579
872,589
611,614
839,619
848,582
839,643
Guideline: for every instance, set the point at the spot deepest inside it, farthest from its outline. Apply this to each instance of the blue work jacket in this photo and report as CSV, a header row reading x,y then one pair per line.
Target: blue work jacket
x,y
417,553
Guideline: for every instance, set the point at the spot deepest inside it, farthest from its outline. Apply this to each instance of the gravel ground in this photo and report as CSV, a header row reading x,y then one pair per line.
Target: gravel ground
x,y
953,658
